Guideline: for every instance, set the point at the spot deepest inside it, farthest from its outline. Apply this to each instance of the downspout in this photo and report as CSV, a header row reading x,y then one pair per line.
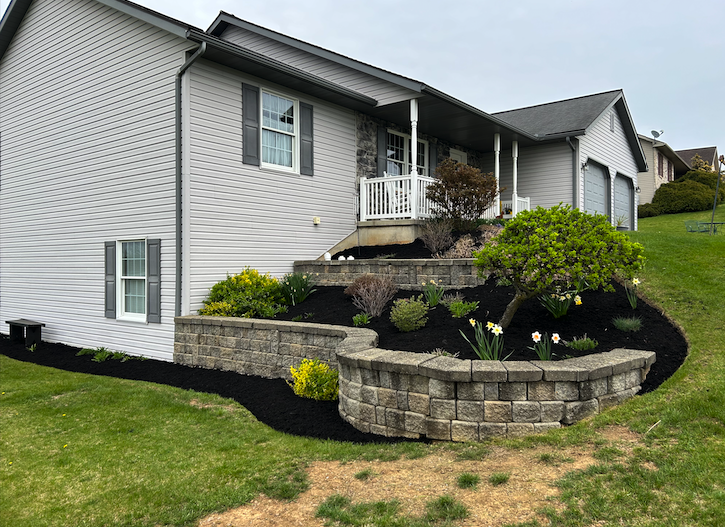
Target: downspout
x,y
575,173
179,74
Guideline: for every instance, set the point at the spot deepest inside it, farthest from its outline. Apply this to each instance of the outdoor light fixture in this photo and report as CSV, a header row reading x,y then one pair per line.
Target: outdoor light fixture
x,y
585,165
638,190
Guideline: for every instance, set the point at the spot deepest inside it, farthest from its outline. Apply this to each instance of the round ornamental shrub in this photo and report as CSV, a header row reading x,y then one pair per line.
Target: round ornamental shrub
x,y
685,196
315,380
247,294
542,250
409,314
706,178
648,210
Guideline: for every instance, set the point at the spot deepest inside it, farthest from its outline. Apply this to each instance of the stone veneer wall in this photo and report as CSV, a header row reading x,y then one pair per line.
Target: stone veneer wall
x,y
266,348
403,394
408,274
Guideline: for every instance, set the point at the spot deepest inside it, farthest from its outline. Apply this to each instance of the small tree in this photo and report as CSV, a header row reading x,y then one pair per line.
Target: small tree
x,y
545,249
699,164
462,193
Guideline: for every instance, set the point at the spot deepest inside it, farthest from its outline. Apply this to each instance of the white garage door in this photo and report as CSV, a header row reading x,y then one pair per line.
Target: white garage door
x,y
596,190
623,201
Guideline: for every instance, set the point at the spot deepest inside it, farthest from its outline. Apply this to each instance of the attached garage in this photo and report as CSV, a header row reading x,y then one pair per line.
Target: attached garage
x,y
623,201
596,189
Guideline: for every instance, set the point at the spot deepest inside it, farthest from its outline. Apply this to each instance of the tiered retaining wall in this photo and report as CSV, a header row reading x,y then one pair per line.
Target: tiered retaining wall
x,y
404,394
407,274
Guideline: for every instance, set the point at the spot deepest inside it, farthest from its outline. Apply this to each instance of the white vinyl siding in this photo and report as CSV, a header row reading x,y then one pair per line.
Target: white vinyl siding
x,y
242,215
384,92
87,123
611,149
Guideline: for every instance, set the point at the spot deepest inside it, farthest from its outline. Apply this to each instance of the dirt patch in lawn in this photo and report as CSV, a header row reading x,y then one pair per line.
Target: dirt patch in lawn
x,y
530,487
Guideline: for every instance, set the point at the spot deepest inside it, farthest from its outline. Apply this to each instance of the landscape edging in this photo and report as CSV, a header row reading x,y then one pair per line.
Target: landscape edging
x,y
407,394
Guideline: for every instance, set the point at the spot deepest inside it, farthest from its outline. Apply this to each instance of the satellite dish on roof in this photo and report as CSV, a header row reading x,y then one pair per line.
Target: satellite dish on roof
x,y
656,134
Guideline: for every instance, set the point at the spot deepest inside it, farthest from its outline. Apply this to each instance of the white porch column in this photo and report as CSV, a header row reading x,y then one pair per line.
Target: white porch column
x,y
515,155
414,158
497,171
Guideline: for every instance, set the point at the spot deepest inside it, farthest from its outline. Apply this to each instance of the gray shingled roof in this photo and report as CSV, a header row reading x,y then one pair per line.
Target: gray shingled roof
x,y
707,153
560,117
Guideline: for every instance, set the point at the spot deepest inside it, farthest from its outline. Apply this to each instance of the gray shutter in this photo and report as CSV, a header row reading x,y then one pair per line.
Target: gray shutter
x,y
382,150
250,125
153,277
306,140
432,158
110,271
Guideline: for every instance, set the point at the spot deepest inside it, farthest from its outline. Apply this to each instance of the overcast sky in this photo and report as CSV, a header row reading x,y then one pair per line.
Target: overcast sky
x,y
667,56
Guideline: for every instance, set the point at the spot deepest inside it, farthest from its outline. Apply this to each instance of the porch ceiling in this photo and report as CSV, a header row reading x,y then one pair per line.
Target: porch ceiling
x,y
455,122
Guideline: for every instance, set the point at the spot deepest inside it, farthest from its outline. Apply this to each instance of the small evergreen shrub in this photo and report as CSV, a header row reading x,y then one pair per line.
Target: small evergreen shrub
x,y
648,210
247,294
372,293
314,380
707,178
409,314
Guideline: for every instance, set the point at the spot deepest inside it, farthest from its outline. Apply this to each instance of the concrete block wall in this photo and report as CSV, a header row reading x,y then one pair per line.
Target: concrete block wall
x,y
407,274
266,348
403,394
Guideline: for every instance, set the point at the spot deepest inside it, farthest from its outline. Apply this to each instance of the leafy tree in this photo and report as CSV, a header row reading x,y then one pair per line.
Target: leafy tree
x,y
545,249
698,163
462,193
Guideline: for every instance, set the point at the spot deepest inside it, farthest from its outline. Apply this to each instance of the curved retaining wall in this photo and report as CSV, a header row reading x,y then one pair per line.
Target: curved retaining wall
x,y
404,394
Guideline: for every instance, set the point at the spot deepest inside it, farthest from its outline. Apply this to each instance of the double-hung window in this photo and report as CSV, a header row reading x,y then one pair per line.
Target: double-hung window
x,y
279,131
399,155
133,280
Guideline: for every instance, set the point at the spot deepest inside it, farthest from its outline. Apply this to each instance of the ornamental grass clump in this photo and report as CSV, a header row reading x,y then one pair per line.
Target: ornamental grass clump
x,y
315,380
627,324
544,249
582,344
409,314
372,293
247,294
487,347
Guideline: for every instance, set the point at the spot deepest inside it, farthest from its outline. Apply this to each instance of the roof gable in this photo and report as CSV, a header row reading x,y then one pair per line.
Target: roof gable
x,y
707,153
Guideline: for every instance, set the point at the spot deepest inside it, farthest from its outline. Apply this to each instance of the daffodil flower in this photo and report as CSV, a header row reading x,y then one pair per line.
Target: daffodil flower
x,y
536,336
490,325
578,300
472,321
497,330
635,281
555,338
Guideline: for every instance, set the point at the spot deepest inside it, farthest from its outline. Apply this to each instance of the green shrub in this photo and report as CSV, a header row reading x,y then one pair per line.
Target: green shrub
x,y
409,314
461,193
544,249
314,380
296,287
648,210
582,344
685,196
247,294
706,178
361,319
460,309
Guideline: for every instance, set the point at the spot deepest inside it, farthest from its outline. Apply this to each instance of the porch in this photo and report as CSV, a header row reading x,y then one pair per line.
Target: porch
x,y
404,198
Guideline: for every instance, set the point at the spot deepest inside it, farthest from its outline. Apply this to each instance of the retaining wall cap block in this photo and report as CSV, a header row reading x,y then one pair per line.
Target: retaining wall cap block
x,y
447,369
632,359
488,371
522,371
400,362
357,344
598,364
364,358
562,370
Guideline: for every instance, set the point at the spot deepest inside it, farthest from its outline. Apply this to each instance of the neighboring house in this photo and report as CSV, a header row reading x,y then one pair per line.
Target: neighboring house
x,y
663,166
143,159
707,153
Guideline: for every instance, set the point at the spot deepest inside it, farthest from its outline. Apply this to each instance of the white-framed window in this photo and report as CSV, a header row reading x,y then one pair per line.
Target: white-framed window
x,y
398,154
131,284
280,131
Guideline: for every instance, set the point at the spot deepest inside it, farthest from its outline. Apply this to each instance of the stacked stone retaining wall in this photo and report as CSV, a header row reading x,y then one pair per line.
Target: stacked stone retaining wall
x,y
405,394
407,274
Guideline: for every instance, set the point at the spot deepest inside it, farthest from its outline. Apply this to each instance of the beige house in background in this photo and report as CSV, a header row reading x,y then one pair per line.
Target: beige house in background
x,y
663,163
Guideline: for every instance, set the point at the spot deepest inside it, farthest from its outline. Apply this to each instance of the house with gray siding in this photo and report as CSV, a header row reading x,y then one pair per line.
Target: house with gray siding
x,y
663,166
142,159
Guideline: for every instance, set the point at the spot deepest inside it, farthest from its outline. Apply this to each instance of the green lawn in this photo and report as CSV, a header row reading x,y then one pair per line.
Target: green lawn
x,y
91,451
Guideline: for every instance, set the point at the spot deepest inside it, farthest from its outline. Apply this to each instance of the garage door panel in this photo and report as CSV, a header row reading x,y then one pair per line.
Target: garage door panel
x,y
595,190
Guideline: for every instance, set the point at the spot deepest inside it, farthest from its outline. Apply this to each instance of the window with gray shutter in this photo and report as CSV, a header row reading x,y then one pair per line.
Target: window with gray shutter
x,y
250,125
306,140
110,288
153,281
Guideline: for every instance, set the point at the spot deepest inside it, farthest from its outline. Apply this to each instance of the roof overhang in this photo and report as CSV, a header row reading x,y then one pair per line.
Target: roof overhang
x,y
680,164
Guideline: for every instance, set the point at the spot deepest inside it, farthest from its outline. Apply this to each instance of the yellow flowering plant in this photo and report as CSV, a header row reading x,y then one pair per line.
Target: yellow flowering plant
x,y
296,287
631,289
315,380
248,294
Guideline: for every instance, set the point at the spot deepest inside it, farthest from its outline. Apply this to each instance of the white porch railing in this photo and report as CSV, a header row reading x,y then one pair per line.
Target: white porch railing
x,y
395,197
507,209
